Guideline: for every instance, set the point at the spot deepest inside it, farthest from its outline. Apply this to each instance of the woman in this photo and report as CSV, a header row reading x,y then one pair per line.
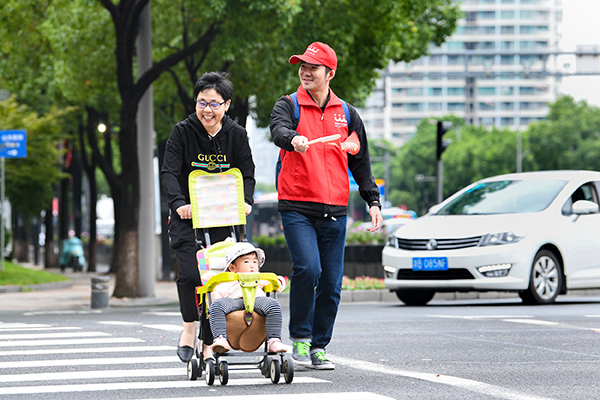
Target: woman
x,y
208,140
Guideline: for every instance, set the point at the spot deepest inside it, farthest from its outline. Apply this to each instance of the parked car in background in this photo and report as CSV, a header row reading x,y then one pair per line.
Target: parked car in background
x,y
535,233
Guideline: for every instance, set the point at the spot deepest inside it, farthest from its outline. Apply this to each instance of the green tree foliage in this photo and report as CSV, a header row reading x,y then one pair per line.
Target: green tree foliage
x,y
569,138
29,181
475,153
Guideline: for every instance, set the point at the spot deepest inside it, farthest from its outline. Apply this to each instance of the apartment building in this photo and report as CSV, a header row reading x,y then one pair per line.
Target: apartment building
x,y
499,69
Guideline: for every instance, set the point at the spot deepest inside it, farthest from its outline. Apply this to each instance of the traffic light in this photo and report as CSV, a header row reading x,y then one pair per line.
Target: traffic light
x,y
442,143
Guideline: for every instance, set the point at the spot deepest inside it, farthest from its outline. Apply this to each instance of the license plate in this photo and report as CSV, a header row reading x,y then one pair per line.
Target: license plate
x,y
430,264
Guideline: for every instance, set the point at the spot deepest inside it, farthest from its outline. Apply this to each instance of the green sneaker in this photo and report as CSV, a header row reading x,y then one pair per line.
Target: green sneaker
x,y
301,353
319,361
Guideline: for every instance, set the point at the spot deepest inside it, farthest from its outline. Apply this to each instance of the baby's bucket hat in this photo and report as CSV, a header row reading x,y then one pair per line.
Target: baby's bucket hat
x,y
241,249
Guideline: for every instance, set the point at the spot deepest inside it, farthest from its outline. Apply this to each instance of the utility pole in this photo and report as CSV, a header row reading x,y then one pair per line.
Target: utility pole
x,y
145,137
441,145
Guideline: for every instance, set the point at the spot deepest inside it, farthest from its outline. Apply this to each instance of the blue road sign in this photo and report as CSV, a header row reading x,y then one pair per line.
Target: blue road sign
x,y
13,144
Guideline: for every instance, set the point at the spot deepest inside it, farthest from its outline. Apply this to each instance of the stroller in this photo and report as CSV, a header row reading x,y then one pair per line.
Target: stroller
x,y
218,200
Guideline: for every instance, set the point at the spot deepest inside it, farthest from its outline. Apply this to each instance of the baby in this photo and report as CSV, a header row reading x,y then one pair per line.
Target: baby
x,y
227,297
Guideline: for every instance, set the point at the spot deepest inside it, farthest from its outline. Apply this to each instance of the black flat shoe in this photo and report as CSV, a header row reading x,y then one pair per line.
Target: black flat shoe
x,y
185,353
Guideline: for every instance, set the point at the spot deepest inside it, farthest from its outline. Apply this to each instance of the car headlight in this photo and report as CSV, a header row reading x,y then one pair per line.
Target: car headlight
x,y
492,239
391,241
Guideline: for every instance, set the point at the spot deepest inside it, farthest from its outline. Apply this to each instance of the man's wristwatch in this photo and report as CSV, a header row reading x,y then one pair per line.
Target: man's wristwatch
x,y
376,204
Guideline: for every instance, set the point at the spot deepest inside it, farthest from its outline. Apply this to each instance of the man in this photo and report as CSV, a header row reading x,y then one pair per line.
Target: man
x,y
313,190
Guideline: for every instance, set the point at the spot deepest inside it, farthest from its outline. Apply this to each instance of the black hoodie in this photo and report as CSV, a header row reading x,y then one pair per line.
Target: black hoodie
x,y
190,148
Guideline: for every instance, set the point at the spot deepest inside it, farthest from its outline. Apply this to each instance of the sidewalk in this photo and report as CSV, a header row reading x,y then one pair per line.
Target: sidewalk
x,y
76,294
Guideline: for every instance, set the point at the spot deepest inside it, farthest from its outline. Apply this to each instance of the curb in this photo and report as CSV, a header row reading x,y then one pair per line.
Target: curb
x,y
36,287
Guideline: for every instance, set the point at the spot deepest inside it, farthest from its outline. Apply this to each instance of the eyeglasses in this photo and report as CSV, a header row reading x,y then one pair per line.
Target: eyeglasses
x,y
214,106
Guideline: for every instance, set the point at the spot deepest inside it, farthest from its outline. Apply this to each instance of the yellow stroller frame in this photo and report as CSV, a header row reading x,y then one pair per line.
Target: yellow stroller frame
x,y
218,200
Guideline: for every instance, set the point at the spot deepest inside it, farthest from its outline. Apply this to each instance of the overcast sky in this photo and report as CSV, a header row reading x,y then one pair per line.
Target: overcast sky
x,y
581,25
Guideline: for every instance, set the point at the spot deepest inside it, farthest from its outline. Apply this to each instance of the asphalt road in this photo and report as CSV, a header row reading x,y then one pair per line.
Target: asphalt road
x,y
469,349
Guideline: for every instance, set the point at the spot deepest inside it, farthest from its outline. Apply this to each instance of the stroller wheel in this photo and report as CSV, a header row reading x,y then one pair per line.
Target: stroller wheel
x,y
275,370
192,369
223,373
288,369
210,372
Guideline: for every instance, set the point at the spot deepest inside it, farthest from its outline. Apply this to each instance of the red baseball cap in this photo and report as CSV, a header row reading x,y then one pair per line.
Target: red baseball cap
x,y
319,54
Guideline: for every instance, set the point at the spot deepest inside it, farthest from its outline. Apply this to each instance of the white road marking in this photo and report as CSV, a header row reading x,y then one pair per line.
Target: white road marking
x,y
163,313
90,361
531,321
122,323
166,327
481,316
86,375
474,386
68,342
62,312
104,387
21,336
32,329
299,396
121,349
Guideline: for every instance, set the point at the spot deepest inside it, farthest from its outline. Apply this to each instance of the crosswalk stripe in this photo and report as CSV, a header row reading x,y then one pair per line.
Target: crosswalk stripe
x,y
299,396
166,327
21,336
40,328
90,361
69,342
103,374
120,349
21,325
141,385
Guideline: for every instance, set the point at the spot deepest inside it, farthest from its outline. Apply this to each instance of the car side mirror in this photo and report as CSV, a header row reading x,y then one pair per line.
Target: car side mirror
x,y
581,207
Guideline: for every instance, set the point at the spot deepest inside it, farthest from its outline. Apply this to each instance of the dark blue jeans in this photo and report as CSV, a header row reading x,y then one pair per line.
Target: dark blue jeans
x,y
316,248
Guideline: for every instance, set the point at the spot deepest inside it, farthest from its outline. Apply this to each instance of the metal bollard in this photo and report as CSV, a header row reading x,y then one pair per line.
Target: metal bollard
x,y
100,291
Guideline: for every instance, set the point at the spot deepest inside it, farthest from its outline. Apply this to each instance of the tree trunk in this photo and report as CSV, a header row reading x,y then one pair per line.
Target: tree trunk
x,y
125,251
51,259
20,237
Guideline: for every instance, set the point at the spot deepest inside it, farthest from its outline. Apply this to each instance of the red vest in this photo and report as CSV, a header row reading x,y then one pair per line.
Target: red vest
x,y
321,174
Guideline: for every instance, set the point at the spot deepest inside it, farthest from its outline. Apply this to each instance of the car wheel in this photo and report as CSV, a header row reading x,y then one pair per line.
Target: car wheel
x,y
415,297
545,280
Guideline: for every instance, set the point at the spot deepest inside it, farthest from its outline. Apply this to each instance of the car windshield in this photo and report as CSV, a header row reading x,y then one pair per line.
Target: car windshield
x,y
504,197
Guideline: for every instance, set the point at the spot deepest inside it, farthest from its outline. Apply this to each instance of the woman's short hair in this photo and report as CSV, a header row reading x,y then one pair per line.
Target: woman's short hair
x,y
214,80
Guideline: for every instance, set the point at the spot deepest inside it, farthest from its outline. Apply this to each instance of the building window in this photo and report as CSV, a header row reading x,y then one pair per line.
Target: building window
x,y
414,106
456,60
486,14
456,106
507,91
507,106
507,30
507,121
435,106
487,106
486,91
488,121
415,91
436,60
454,46
435,91
507,60
507,15
456,91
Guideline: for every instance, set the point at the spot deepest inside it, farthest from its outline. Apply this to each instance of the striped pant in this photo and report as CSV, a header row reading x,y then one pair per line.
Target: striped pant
x,y
265,306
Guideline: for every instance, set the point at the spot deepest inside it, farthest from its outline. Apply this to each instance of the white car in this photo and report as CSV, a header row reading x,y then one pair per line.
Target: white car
x,y
535,233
